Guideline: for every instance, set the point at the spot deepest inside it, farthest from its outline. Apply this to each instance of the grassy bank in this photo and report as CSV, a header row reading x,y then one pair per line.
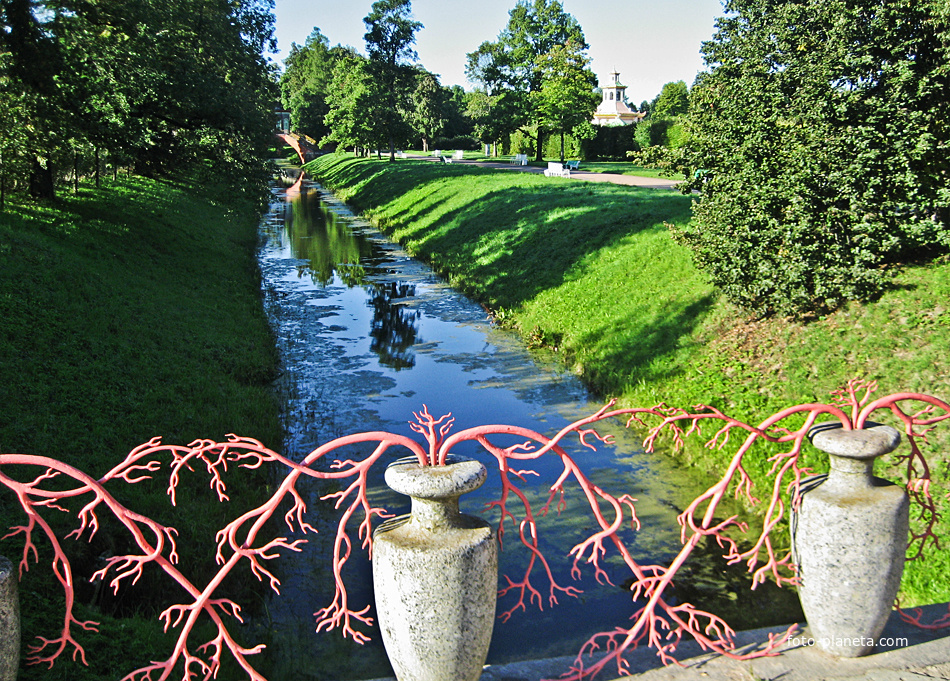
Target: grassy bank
x,y
130,312
588,270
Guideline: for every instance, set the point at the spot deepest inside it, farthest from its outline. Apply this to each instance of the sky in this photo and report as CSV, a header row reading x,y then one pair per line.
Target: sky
x,y
650,42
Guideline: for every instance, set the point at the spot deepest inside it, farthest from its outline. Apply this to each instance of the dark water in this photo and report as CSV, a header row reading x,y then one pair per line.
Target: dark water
x,y
367,336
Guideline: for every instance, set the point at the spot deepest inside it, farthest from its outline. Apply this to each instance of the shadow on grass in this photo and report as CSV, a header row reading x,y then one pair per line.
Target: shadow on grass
x,y
514,235
641,346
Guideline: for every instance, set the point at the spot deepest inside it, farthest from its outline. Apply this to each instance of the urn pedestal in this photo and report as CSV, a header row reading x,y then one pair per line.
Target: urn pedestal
x,y
849,539
435,573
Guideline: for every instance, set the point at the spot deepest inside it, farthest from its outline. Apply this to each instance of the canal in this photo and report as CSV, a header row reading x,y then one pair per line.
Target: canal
x,y
367,336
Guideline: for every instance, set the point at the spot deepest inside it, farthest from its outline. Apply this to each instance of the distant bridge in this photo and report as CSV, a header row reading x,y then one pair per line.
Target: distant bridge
x,y
306,147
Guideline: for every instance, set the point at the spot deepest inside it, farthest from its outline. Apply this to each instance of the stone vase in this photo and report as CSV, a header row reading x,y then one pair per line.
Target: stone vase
x,y
9,621
849,539
435,573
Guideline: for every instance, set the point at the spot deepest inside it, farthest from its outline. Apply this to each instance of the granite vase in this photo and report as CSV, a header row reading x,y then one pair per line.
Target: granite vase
x,y
435,574
849,540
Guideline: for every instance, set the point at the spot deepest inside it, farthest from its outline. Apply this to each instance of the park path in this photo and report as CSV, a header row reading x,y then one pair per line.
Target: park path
x,y
628,180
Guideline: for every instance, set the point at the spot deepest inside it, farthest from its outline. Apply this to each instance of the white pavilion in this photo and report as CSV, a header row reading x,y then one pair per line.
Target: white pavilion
x,y
612,109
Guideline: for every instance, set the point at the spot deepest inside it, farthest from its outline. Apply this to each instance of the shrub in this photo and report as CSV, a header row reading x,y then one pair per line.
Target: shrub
x,y
818,141
465,143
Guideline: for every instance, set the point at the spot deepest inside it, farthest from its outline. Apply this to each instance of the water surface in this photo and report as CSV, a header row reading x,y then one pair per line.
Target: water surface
x,y
367,336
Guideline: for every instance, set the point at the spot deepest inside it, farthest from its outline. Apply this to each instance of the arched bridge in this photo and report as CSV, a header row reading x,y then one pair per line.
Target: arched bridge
x,y
305,147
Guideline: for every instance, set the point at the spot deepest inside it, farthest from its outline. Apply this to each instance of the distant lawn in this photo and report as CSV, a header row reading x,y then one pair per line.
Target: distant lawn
x,y
626,168
612,167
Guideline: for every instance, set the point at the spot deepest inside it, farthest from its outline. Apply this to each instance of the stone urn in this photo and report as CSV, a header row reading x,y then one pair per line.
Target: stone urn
x,y
9,621
435,574
849,540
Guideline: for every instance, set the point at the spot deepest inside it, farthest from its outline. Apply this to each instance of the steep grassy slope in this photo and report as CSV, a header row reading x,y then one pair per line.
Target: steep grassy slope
x,y
127,313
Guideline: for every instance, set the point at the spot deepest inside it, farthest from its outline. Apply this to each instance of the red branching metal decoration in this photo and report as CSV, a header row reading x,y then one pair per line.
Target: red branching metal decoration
x,y
656,623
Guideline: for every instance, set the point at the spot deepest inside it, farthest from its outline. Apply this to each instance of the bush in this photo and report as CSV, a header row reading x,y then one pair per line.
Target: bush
x,y
611,143
820,142
464,143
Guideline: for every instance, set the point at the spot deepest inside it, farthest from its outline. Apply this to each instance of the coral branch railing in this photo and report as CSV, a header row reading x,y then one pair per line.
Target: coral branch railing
x,y
656,621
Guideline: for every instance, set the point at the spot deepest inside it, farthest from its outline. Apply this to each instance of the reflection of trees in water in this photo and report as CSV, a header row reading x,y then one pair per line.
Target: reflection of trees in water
x,y
394,327
326,243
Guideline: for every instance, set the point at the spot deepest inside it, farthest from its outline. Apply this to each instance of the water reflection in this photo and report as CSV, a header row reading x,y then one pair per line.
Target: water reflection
x,y
395,328
331,251
320,238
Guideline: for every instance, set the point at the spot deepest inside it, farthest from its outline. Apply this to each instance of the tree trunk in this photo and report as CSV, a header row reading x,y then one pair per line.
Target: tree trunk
x,y
98,186
540,154
41,181
75,172
562,146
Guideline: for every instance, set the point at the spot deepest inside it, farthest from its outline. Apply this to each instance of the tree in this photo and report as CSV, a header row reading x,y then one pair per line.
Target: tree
x,y
14,138
457,123
819,142
308,71
494,116
566,98
534,29
354,101
390,35
428,107
673,100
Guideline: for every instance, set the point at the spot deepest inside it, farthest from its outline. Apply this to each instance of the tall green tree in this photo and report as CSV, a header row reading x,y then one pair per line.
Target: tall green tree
x,y
308,71
355,102
457,123
494,116
534,29
819,141
566,99
390,36
427,115
673,100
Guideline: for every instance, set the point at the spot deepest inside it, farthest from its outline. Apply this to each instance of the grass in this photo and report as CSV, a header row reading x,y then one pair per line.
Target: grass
x,y
588,271
130,312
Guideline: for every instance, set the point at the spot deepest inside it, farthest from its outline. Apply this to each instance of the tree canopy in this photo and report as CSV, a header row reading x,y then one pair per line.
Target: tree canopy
x,y
818,138
565,100
673,100
155,85
510,65
308,71
390,35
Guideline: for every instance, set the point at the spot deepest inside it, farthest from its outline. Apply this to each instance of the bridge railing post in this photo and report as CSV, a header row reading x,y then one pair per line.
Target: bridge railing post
x,y
9,621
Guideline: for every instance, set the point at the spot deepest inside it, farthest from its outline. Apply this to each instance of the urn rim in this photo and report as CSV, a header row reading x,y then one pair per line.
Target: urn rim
x,y
865,443
458,476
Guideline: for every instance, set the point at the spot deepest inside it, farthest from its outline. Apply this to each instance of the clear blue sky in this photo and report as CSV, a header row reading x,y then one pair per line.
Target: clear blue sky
x,y
650,42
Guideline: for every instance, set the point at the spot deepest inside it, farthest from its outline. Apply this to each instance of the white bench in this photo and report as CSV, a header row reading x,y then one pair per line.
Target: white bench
x,y
445,159
557,170
519,160
458,155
